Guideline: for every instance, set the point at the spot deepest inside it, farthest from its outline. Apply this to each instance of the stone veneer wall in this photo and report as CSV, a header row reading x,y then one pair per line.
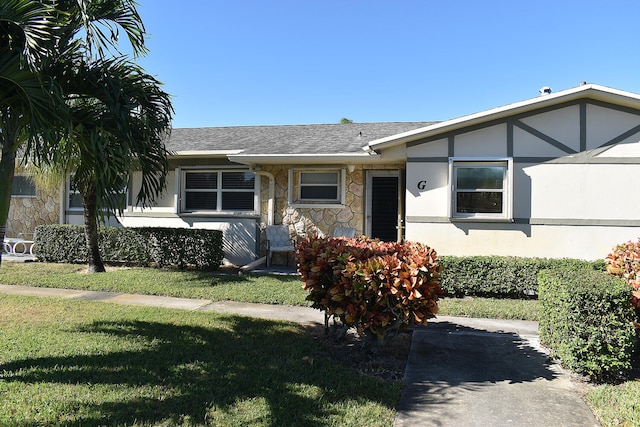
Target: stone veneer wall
x,y
310,221
25,213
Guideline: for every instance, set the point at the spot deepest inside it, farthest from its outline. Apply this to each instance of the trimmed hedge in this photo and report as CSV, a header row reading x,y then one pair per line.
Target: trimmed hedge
x,y
500,277
162,247
380,288
587,321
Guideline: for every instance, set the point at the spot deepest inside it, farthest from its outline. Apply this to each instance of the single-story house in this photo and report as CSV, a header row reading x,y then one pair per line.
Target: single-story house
x,y
552,176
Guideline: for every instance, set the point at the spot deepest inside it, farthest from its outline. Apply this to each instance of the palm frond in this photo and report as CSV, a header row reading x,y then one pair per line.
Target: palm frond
x,y
100,22
33,103
121,118
28,27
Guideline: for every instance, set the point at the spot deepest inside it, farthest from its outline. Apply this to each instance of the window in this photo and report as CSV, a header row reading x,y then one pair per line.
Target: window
x,y
218,191
316,187
74,198
481,189
23,186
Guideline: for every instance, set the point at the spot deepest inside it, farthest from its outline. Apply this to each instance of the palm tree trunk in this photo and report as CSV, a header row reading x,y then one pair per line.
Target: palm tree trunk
x,y
7,169
89,203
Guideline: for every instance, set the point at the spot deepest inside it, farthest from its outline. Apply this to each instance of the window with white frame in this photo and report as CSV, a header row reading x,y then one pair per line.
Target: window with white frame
x,y
74,198
481,188
23,186
218,191
318,187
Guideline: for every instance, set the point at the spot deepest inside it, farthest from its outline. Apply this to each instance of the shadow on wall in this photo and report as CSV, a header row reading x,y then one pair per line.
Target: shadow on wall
x,y
239,239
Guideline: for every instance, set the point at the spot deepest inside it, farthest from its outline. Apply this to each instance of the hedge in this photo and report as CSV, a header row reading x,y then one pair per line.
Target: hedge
x,y
587,321
161,247
500,277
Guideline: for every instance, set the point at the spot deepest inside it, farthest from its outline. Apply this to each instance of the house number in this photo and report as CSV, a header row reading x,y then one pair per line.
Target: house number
x,y
422,185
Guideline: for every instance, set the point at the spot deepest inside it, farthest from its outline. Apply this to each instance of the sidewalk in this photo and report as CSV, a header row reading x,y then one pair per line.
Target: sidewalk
x,y
460,372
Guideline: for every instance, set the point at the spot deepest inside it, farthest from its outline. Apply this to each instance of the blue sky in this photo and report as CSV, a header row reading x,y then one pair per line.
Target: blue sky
x,y
272,62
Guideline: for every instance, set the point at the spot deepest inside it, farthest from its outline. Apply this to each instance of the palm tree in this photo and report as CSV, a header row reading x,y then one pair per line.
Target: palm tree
x,y
29,99
50,52
120,119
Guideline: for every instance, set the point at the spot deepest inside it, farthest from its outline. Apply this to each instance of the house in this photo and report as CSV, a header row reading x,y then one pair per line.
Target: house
x,y
552,176
312,177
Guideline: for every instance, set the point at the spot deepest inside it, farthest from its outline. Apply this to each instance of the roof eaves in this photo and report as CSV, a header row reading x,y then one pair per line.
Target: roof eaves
x,y
332,158
205,153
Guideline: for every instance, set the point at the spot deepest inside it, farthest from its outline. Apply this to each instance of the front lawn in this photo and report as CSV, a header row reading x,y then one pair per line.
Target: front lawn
x,y
614,405
78,363
268,289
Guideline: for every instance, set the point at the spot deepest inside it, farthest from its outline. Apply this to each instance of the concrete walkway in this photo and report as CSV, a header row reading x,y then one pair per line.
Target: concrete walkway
x,y
460,372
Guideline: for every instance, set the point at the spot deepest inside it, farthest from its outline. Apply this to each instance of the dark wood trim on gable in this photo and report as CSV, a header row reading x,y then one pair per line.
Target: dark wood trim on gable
x,y
583,126
516,120
621,137
587,159
546,138
616,107
509,138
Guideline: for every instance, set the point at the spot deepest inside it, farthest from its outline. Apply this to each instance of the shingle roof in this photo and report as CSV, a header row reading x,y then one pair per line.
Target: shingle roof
x,y
287,139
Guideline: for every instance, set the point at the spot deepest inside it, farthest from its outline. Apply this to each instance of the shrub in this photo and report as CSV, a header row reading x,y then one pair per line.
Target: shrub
x,y
60,243
586,321
185,247
179,247
500,277
624,261
378,287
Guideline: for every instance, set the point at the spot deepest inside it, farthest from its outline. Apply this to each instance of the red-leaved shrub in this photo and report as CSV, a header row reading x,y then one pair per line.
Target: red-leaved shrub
x,y
624,261
378,287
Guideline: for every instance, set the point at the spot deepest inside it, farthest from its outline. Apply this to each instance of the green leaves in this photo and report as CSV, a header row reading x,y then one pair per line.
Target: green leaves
x,y
29,28
378,287
120,119
586,320
624,261
63,100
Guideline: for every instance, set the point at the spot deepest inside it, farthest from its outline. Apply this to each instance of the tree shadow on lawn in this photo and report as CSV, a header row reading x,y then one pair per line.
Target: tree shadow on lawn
x,y
198,368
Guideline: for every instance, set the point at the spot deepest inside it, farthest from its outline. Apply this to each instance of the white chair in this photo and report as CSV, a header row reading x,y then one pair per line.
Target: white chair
x,y
344,232
278,240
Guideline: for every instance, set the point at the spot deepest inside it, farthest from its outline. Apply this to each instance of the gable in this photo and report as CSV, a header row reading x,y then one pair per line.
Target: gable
x,y
561,132
582,126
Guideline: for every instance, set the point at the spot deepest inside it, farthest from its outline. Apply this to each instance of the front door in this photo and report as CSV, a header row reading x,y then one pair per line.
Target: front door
x,y
383,205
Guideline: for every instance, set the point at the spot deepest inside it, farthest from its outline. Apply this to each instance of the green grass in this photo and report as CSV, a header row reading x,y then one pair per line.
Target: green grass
x,y
81,361
490,308
616,405
269,289
77,363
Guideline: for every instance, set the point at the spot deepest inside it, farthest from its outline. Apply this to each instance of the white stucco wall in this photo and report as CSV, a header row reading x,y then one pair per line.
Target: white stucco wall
x,y
582,191
577,205
489,141
543,241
